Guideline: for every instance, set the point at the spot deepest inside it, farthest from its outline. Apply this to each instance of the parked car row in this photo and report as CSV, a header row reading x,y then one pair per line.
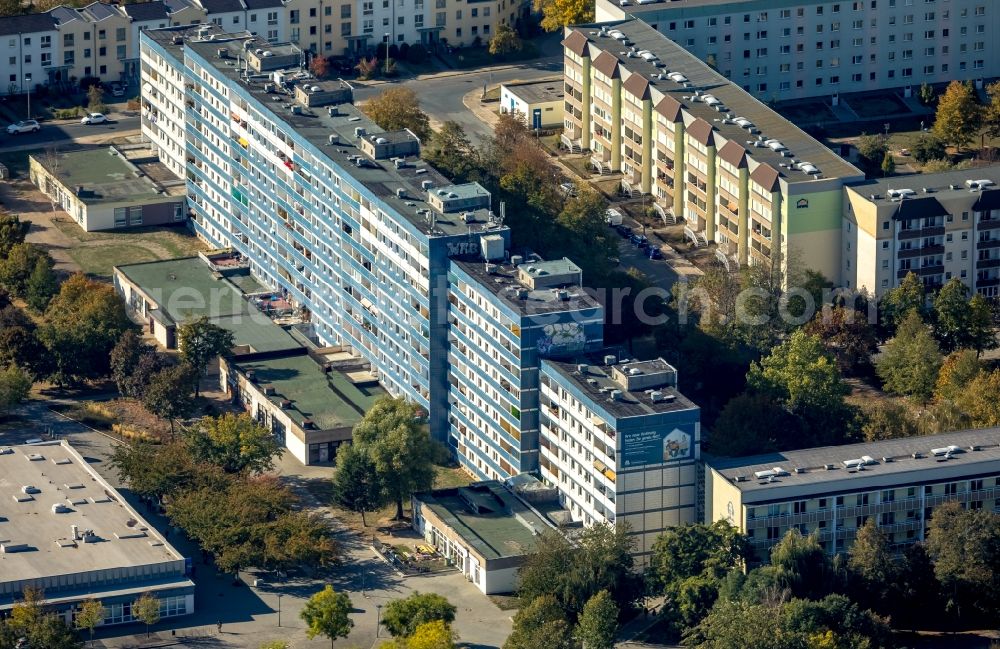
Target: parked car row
x,y
614,219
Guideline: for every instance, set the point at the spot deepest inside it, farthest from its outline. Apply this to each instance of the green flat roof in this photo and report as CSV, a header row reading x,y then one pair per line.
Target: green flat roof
x,y
329,399
106,177
503,527
185,289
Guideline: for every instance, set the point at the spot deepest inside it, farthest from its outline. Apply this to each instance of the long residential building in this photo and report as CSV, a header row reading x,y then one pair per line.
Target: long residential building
x,y
383,255
706,150
832,491
940,226
59,47
823,48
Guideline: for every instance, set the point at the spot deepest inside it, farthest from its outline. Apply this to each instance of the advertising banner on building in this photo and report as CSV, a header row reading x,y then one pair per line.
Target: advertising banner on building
x,y
669,443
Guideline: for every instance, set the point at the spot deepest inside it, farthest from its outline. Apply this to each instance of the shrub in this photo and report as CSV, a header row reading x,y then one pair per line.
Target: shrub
x,y
417,53
126,431
67,113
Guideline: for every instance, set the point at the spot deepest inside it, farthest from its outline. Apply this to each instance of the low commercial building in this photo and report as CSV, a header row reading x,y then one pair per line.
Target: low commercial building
x,y
164,294
65,530
939,226
705,150
484,529
111,188
832,491
311,402
621,444
539,102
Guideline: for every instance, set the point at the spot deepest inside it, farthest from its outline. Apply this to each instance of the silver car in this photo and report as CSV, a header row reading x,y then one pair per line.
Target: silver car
x,y
24,126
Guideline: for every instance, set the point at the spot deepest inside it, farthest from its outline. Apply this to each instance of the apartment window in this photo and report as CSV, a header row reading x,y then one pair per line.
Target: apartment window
x,y
928,69
68,58
293,16
67,40
858,24
46,42
929,33
475,13
135,215
440,19
368,26
486,11
272,18
121,217
980,11
857,42
345,28
120,52
46,59
458,14
418,20
688,24
328,11
102,51
86,52
368,8
101,34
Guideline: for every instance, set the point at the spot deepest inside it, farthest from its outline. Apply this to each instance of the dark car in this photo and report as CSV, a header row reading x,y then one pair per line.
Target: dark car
x,y
639,240
654,253
624,230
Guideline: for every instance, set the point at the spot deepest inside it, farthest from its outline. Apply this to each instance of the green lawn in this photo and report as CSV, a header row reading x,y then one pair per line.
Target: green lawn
x,y
98,252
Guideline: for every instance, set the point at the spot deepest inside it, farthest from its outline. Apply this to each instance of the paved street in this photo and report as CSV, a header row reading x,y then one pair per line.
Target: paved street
x,y
249,615
64,132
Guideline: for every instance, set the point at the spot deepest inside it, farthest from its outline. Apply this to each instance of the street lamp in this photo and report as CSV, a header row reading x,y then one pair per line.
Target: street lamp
x,y
280,595
387,37
27,82
378,618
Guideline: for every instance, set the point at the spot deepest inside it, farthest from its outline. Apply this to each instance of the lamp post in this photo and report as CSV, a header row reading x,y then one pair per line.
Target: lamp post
x,y
378,618
387,39
280,595
27,82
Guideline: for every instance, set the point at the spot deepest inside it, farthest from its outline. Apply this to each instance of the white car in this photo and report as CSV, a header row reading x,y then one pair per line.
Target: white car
x,y
94,118
24,126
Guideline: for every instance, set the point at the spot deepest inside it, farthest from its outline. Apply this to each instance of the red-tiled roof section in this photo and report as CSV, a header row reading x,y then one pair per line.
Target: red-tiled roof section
x,y
734,154
766,176
637,86
669,108
576,43
607,65
701,131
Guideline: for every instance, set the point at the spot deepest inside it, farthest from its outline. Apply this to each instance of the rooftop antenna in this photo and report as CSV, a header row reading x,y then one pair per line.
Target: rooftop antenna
x,y
503,214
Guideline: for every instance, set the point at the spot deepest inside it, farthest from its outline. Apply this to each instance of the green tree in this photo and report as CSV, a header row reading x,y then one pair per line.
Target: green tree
x,y
991,112
200,341
872,150
235,443
157,470
980,330
587,239
598,622
12,232
396,108
801,565
542,624
958,115
133,364
926,94
951,309
42,285
398,443
402,616
169,393
965,548
319,66
734,624
980,400
146,609
696,549
15,385
897,303
82,324
754,423
800,375
910,362
887,421
888,164
356,483
872,560
957,371
327,614
928,147
89,615
505,41
17,267
451,151
19,344
30,620
601,559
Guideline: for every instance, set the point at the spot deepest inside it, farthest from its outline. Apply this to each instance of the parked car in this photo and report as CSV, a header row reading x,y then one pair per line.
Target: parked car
x,y
24,126
654,253
568,188
117,90
624,230
94,118
639,240
613,217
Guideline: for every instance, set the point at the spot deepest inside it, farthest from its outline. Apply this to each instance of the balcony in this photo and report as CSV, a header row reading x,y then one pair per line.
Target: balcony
x,y
988,263
912,233
988,224
923,271
921,252
988,243
988,281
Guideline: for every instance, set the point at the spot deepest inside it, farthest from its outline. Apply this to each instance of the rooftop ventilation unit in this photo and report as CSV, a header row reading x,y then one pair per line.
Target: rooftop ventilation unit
x,y
400,192
946,450
770,473
609,359
741,478
979,185
857,463
582,369
426,184
677,77
900,194
6,450
616,395
743,122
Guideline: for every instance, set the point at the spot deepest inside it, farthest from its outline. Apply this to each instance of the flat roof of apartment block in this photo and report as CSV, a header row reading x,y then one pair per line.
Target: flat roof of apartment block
x,y
45,490
944,186
706,94
402,186
885,460
330,400
185,289
113,175
592,376
489,518
501,279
